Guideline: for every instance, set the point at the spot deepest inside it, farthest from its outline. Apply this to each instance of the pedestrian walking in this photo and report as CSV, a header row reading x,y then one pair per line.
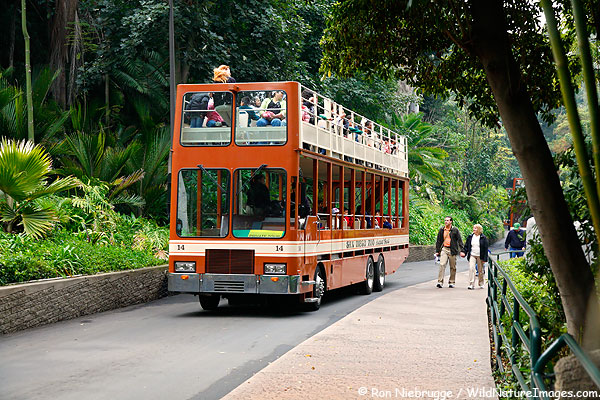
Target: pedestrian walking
x,y
447,246
476,251
515,241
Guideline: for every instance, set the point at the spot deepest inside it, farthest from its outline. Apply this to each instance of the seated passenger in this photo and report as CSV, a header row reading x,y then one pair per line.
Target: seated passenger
x,y
341,122
386,224
377,220
347,219
245,105
213,117
308,106
368,133
272,110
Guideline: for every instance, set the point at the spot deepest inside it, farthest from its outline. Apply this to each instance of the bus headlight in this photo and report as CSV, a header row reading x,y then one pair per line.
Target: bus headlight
x,y
185,266
275,269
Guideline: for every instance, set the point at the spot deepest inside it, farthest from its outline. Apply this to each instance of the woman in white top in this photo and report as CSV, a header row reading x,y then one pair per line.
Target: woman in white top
x,y
476,250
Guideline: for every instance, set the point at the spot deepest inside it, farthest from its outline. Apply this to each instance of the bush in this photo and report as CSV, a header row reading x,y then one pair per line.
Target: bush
x,y
540,296
538,291
426,218
136,243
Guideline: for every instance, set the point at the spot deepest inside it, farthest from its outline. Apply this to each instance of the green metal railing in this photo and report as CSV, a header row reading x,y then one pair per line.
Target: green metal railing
x,y
529,338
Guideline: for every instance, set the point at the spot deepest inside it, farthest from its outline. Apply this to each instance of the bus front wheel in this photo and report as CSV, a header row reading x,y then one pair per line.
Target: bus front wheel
x,y
379,274
210,302
318,290
367,285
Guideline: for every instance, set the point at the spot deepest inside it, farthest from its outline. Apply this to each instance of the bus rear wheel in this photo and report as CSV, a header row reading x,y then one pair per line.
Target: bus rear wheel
x,y
379,274
318,290
210,302
367,285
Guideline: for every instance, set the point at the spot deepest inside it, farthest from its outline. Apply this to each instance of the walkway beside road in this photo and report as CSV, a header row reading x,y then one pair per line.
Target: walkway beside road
x,y
420,339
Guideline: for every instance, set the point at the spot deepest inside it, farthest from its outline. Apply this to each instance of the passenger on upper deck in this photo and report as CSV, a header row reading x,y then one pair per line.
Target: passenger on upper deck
x,y
368,133
308,106
341,122
213,118
222,74
272,110
199,103
246,106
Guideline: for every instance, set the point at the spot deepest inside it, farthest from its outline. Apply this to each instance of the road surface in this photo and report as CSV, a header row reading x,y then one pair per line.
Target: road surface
x,y
169,348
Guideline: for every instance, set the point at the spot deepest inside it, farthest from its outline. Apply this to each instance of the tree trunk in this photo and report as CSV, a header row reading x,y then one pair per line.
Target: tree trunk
x,y
28,88
11,46
63,19
573,275
76,62
107,99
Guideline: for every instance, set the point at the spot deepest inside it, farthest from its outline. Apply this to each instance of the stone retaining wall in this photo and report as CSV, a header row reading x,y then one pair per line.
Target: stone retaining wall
x,y
420,253
27,305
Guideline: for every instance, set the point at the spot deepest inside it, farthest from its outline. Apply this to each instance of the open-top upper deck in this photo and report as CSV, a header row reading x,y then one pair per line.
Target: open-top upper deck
x,y
285,114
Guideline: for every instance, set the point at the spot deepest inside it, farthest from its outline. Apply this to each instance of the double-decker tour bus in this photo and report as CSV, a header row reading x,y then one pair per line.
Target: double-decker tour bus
x,y
277,190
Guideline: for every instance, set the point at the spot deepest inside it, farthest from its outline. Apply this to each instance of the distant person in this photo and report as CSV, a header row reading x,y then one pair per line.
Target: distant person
x,y
515,241
476,251
272,110
258,195
222,74
531,233
447,246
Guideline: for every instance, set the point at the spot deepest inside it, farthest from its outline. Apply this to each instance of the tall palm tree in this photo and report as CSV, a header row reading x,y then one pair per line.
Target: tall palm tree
x,y
425,158
24,168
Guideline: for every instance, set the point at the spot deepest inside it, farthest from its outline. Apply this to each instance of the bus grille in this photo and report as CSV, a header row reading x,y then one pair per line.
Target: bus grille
x,y
228,286
229,261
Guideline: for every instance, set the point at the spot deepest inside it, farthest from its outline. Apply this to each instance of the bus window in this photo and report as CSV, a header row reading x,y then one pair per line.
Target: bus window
x,y
260,203
206,119
261,118
203,212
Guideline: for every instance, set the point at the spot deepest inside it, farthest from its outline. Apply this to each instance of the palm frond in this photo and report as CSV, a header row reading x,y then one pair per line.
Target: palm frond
x,y
37,222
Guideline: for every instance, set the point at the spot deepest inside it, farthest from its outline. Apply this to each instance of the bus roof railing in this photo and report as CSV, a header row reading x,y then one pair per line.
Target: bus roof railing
x,y
332,129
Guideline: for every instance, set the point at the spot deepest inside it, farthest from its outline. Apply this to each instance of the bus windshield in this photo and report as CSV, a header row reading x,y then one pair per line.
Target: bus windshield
x,y
259,209
203,203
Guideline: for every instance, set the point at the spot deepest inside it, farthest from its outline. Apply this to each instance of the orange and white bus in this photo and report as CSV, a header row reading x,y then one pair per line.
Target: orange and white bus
x,y
277,190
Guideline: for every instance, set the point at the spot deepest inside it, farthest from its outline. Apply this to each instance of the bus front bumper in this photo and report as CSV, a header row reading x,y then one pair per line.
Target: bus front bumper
x,y
234,283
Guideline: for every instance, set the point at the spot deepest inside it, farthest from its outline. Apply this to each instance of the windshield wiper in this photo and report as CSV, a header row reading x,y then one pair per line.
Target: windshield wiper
x,y
212,178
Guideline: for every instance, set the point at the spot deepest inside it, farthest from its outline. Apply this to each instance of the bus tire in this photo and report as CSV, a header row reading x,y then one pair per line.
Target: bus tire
x,y
210,302
379,274
318,289
367,285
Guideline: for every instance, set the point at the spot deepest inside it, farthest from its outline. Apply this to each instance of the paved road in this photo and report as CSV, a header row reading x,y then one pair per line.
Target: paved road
x,y
168,348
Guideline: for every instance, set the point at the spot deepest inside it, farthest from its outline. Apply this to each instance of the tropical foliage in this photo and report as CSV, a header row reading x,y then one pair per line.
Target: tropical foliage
x,y
24,169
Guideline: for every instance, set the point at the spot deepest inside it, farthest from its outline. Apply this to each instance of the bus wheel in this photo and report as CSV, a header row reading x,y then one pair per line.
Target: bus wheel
x,y
210,302
379,274
367,285
318,290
